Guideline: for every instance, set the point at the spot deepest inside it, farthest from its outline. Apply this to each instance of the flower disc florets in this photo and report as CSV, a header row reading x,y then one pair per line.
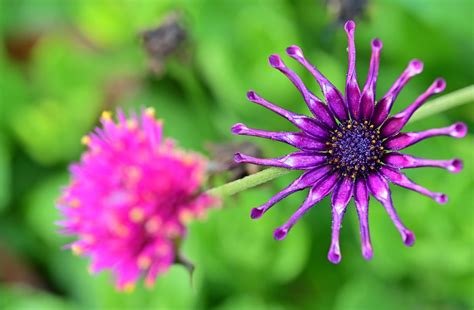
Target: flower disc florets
x,y
131,197
355,149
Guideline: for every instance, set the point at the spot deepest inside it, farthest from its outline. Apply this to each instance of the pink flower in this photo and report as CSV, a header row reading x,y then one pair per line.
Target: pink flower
x,y
130,198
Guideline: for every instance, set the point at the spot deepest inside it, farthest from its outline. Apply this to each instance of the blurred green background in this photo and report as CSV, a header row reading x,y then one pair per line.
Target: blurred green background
x,y
63,62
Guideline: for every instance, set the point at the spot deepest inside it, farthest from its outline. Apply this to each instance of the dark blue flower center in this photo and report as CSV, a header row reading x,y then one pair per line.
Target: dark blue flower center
x,y
355,148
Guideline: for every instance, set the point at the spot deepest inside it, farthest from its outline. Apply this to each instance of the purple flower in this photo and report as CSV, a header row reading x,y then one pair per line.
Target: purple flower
x,y
131,197
350,145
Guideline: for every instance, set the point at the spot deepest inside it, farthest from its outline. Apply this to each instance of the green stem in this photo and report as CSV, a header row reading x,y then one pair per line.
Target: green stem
x,y
250,181
446,102
451,100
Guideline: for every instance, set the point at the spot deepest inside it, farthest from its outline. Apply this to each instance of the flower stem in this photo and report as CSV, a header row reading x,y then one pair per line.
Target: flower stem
x,y
451,100
446,102
250,181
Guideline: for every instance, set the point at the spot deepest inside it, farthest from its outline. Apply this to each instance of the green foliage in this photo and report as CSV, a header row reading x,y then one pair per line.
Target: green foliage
x,y
88,57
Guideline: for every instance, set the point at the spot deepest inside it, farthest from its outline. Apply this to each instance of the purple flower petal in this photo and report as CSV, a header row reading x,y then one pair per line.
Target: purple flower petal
x,y
340,199
367,99
352,87
297,139
380,190
297,160
361,200
400,179
384,105
303,122
333,96
394,124
316,106
319,190
307,179
403,140
403,161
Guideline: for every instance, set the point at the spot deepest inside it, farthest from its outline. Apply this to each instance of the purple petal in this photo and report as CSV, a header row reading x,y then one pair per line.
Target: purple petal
x,y
361,200
384,105
352,87
340,199
403,140
297,139
297,160
301,121
307,179
333,96
316,106
403,161
394,124
319,190
367,99
400,179
378,187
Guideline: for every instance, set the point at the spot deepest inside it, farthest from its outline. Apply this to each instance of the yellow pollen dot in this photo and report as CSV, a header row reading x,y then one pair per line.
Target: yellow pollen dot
x,y
119,229
132,124
75,203
77,249
373,141
362,168
186,216
381,148
137,214
366,122
152,225
371,126
330,151
150,112
106,116
134,173
162,249
88,238
144,262
149,283
129,287
86,140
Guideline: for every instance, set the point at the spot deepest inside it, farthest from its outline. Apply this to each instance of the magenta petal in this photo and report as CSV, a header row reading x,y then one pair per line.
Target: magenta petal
x,y
394,124
333,96
384,105
307,179
361,200
380,190
316,106
297,139
303,122
297,160
367,99
400,179
403,161
319,190
403,140
352,87
340,199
